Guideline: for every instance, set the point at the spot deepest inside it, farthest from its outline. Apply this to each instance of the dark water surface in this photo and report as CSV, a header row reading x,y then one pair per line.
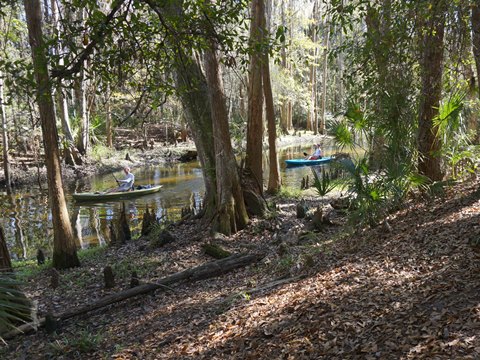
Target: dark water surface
x,y
26,219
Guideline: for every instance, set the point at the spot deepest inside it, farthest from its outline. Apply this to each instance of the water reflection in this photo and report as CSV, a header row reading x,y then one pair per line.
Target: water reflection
x,y
26,219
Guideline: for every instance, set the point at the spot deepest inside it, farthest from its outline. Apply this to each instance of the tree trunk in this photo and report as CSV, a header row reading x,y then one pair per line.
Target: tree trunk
x,y
311,120
71,153
5,147
323,100
253,160
429,144
64,250
193,92
108,118
274,180
81,104
283,54
475,20
231,212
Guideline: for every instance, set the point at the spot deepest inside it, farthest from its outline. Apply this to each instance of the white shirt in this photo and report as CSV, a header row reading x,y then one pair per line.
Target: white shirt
x,y
127,183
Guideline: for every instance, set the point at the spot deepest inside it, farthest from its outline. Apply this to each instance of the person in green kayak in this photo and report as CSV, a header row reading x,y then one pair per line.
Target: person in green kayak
x,y
125,184
317,153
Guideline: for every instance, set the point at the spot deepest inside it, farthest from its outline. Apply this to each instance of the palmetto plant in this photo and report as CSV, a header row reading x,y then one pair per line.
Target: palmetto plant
x,y
322,182
375,191
457,142
14,306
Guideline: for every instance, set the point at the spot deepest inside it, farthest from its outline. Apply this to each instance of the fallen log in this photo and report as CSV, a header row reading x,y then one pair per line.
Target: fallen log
x,y
202,272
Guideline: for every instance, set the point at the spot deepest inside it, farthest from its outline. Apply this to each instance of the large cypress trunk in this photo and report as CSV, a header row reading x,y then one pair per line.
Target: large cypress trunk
x,y
429,144
231,212
193,91
253,175
64,249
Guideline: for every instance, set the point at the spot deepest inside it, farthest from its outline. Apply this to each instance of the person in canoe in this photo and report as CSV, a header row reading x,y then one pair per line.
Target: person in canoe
x,y
317,153
125,184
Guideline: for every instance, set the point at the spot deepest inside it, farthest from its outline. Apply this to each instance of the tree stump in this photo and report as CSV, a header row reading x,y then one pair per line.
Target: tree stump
x,y
40,257
124,224
149,219
120,232
134,281
322,216
301,210
113,235
109,277
305,184
51,324
54,278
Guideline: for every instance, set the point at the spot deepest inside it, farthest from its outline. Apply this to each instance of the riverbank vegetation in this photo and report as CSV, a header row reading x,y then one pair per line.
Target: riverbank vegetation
x,y
388,269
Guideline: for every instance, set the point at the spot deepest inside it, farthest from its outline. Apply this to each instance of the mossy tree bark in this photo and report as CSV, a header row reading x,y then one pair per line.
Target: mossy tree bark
x,y
64,249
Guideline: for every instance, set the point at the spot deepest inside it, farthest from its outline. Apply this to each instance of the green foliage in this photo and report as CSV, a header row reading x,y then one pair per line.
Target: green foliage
x,y
75,345
157,229
100,151
322,182
288,192
285,263
373,195
92,254
27,269
342,134
449,116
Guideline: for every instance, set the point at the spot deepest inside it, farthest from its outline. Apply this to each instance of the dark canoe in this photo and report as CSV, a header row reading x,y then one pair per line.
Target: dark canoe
x,y
304,162
93,196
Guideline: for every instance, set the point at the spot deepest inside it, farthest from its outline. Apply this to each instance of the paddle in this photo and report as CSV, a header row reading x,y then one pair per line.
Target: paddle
x,y
305,154
115,179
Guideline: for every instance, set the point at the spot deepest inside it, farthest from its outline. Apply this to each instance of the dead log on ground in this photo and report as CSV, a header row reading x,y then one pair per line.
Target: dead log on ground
x,y
202,272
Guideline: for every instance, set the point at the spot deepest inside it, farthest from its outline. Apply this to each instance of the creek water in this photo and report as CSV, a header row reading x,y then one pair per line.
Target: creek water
x,y
26,219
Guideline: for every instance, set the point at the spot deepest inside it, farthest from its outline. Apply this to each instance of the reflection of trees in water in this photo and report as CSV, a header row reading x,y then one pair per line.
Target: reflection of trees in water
x,y
19,237
26,217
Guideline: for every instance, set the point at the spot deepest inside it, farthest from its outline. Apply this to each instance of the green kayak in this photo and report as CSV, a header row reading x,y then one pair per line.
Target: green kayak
x,y
94,196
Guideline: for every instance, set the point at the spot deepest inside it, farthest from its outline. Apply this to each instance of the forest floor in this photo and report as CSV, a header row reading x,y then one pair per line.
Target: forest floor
x,y
406,290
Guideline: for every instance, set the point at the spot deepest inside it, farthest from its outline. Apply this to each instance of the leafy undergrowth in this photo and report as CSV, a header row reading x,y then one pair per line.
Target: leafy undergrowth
x,y
409,290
